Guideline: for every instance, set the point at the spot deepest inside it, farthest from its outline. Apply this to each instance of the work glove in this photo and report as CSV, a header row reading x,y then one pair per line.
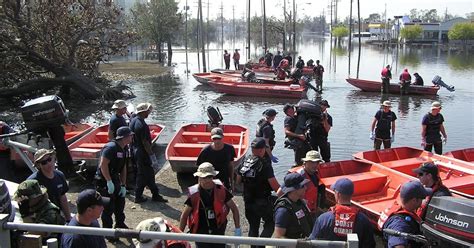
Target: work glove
x,y
372,135
110,187
444,140
275,159
392,139
238,231
123,191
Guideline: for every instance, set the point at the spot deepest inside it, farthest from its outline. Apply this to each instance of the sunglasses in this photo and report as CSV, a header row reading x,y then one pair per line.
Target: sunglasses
x,y
46,161
421,174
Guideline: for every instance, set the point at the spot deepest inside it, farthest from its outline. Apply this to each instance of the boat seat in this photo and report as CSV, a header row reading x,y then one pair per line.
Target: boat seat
x,y
176,158
198,145
405,162
103,134
364,182
208,134
74,133
92,145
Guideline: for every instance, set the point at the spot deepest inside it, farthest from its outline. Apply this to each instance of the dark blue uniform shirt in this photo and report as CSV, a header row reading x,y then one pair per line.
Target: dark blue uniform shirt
x,y
116,122
57,186
69,240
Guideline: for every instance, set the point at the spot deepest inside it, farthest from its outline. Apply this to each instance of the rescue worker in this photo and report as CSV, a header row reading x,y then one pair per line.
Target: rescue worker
x,y
259,180
53,180
344,218
292,217
281,70
266,131
289,59
276,59
402,217
268,58
293,140
221,156
383,123
208,205
227,60
319,133
318,72
315,190
158,224
111,178
117,120
145,158
418,79
90,205
431,129
300,63
236,58
405,80
428,174
386,76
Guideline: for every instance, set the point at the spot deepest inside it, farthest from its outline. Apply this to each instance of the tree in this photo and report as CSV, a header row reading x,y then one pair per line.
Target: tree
x,y
63,39
375,17
411,32
339,32
463,32
158,21
430,16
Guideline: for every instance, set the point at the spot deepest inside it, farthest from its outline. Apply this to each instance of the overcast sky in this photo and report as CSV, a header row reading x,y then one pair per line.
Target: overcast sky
x,y
316,8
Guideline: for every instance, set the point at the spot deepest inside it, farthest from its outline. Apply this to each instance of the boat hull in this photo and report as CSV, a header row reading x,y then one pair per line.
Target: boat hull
x,y
462,154
374,86
235,76
75,131
254,89
184,148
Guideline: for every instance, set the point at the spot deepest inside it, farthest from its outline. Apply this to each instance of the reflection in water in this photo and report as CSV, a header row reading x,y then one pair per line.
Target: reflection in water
x,y
340,50
403,106
461,61
410,59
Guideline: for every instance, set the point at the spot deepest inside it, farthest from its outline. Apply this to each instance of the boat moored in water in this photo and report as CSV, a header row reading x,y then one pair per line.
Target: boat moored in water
x,y
374,86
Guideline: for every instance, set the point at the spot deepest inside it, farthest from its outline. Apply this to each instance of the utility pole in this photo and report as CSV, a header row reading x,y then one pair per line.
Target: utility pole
x,y
233,27
294,31
222,30
264,27
207,32
284,25
248,29
202,38
198,38
350,39
186,35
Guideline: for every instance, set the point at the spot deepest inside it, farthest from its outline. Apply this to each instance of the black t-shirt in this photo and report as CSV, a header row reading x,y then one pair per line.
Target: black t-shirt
x,y
70,240
433,125
318,132
57,186
116,122
255,180
142,132
113,152
384,123
208,225
219,159
290,123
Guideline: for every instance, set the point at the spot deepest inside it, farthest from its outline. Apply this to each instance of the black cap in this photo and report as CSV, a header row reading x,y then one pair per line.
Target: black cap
x,y
414,189
270,112
89,198
287,106
123,132
428,168
259,143
293,181
324,103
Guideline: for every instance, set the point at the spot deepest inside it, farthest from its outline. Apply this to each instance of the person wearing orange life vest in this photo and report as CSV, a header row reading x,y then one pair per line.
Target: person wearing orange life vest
x,y
402,217
428,174
281,69
158,224
207,206
405,81
315,190
343,218
386,76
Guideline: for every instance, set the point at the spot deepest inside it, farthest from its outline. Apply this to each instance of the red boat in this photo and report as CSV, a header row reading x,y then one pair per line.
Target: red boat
x,y
374,86
232,87
307,70
89,146
463,154
456,174
75,131
184,148
204,78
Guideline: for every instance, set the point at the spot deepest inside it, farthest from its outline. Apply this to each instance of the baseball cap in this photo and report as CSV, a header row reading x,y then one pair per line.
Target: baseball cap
x,y
123,132
30,189
428,168
293,181
287,106
259,143
270,112
41,153
217,133
344,186
90,197
324,103
414,189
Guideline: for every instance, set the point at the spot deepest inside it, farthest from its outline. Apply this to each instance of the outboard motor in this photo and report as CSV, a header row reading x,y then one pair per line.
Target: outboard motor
x,y
437,81
215,116
296,73
309,115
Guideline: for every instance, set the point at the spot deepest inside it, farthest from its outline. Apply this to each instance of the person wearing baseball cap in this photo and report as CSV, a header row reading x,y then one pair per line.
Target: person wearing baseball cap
x,y
207,206
53,179
111,178
265,130
402,217
90,205
292,217
428,175
117,119
145,158
382,129
319,133
431,129
257,175
344,218
221,155
293,140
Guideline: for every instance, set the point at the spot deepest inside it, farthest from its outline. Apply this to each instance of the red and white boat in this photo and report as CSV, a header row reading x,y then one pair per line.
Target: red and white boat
x,y
232,87
375,86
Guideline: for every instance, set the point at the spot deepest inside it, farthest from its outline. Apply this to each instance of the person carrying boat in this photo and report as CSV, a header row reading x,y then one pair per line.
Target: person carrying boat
x,y
208,205
292,217
386,76
221,155
227,60
418,79
256,174
111,178
431,129
293,140
158,224
319,133
276,59
383,123
344,218
318,71
428,174
315,195
145,158
405,80
300,63
117,120
402,217
236,58
52,179
266,131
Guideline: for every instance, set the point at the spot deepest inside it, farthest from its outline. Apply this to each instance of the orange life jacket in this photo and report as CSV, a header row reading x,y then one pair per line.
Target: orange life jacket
x,y
395,209
344,219
173,243
421,211
311,195
220,208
